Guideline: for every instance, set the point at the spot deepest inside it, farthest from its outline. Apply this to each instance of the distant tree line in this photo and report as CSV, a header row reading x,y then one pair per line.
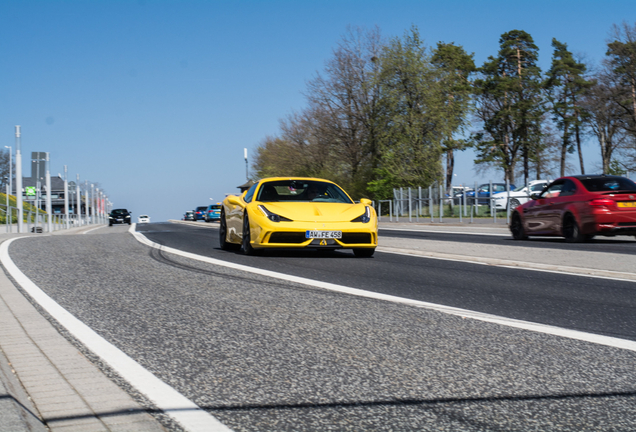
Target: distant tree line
x,y
389,113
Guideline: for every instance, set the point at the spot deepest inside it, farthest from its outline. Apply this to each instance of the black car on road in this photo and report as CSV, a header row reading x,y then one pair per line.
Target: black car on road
x,y
119,216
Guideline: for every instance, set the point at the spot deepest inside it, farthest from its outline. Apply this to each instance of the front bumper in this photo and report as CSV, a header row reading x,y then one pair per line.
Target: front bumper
x,y
268,234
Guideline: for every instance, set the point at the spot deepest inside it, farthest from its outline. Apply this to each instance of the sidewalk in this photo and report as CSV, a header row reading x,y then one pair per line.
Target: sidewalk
x,y
46,384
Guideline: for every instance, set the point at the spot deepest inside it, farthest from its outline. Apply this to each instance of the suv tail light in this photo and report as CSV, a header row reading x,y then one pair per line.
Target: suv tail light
x,y
602,202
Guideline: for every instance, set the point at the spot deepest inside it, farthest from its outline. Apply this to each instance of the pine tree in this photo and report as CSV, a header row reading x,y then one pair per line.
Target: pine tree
x,y
565,86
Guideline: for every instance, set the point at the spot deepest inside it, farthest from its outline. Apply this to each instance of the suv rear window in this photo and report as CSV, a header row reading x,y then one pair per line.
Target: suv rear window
x,y
608,184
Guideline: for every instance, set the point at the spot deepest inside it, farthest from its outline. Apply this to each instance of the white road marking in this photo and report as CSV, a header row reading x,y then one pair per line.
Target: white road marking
x,y
518,265
445,232
93,229
185,412
465,313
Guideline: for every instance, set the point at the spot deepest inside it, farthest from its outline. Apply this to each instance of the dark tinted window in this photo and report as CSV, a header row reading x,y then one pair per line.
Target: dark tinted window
x,y
569,188
250,193
119,212
608,184
302,190
201,208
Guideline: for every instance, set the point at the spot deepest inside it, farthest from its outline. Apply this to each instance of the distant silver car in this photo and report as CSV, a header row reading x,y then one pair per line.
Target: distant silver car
x,y
143,219
520,195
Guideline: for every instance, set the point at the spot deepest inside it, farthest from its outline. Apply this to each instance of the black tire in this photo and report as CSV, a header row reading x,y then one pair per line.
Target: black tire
x,y
246,245
364,252
110,224
223,243
571,230
516,227
514,203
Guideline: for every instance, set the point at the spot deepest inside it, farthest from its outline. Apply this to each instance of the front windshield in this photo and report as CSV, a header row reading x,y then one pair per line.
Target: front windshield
x,y
302,190
519,189
119,212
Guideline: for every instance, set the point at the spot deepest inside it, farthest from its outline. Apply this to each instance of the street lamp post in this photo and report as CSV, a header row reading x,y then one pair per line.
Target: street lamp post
x,y
68,222
10,168
18,178
49,207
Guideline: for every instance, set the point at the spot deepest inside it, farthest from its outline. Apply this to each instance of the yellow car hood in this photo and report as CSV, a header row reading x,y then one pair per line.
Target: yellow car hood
x,y
315,211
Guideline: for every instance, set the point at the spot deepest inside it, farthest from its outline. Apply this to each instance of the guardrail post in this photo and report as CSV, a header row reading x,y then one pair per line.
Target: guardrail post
x,y
430,203
507,202
419,203
441,203
410,204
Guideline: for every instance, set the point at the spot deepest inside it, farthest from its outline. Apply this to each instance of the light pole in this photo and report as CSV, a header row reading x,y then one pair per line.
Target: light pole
x,y
68,222
92,198
78,202
49,207
10,168
247,173
18,178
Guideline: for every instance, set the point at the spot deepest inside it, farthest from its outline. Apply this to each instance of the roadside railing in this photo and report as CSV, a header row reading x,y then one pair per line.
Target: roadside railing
x,y
434,205
41,222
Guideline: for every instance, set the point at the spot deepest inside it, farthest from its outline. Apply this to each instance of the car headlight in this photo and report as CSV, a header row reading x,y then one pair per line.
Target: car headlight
x,y
110,217
128,216
365,217
272,216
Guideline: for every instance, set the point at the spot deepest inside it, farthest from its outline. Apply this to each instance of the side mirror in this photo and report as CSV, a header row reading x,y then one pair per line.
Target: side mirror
x,y
366,201
233,199
535,196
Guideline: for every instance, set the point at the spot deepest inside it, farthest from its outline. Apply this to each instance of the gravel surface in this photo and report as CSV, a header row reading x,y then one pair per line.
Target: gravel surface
x,y
262,354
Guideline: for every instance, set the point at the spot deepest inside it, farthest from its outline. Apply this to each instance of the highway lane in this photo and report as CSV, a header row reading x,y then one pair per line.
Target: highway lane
x,y
599,306
619,244
266,354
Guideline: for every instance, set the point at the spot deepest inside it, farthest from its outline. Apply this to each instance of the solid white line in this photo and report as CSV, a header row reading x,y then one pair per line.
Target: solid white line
x,y
509,322
510,264
185,412
445,232
92,229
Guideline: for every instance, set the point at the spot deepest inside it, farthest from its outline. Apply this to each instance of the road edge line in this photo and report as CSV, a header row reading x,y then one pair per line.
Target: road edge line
x,y
185,412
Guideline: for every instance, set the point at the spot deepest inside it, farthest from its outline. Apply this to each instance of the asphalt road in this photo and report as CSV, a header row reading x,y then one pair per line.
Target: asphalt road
x,y
576,302
622,244
264,354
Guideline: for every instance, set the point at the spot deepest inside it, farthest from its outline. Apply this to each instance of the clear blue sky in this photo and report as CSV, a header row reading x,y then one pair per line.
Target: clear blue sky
x,y
155,100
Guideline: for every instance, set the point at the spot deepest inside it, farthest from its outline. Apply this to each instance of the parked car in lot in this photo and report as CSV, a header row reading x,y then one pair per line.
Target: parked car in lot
x,y
520,195
213,213
483,191
119,216
143,219
199,212
579,208
189,215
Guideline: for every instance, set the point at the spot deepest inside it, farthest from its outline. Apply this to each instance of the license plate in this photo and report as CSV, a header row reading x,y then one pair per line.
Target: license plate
x,y
323,234
626,204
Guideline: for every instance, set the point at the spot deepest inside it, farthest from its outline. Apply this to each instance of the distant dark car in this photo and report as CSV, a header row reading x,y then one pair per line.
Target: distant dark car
x,y
213,213
199,212
119,216
483,191
578,208
189,215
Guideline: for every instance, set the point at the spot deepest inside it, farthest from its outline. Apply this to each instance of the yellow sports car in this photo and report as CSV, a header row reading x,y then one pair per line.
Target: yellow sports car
x,y
283,212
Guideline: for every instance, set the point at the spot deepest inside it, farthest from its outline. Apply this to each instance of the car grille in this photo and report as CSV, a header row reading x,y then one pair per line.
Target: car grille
x,y
299,237
287,237
355,238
